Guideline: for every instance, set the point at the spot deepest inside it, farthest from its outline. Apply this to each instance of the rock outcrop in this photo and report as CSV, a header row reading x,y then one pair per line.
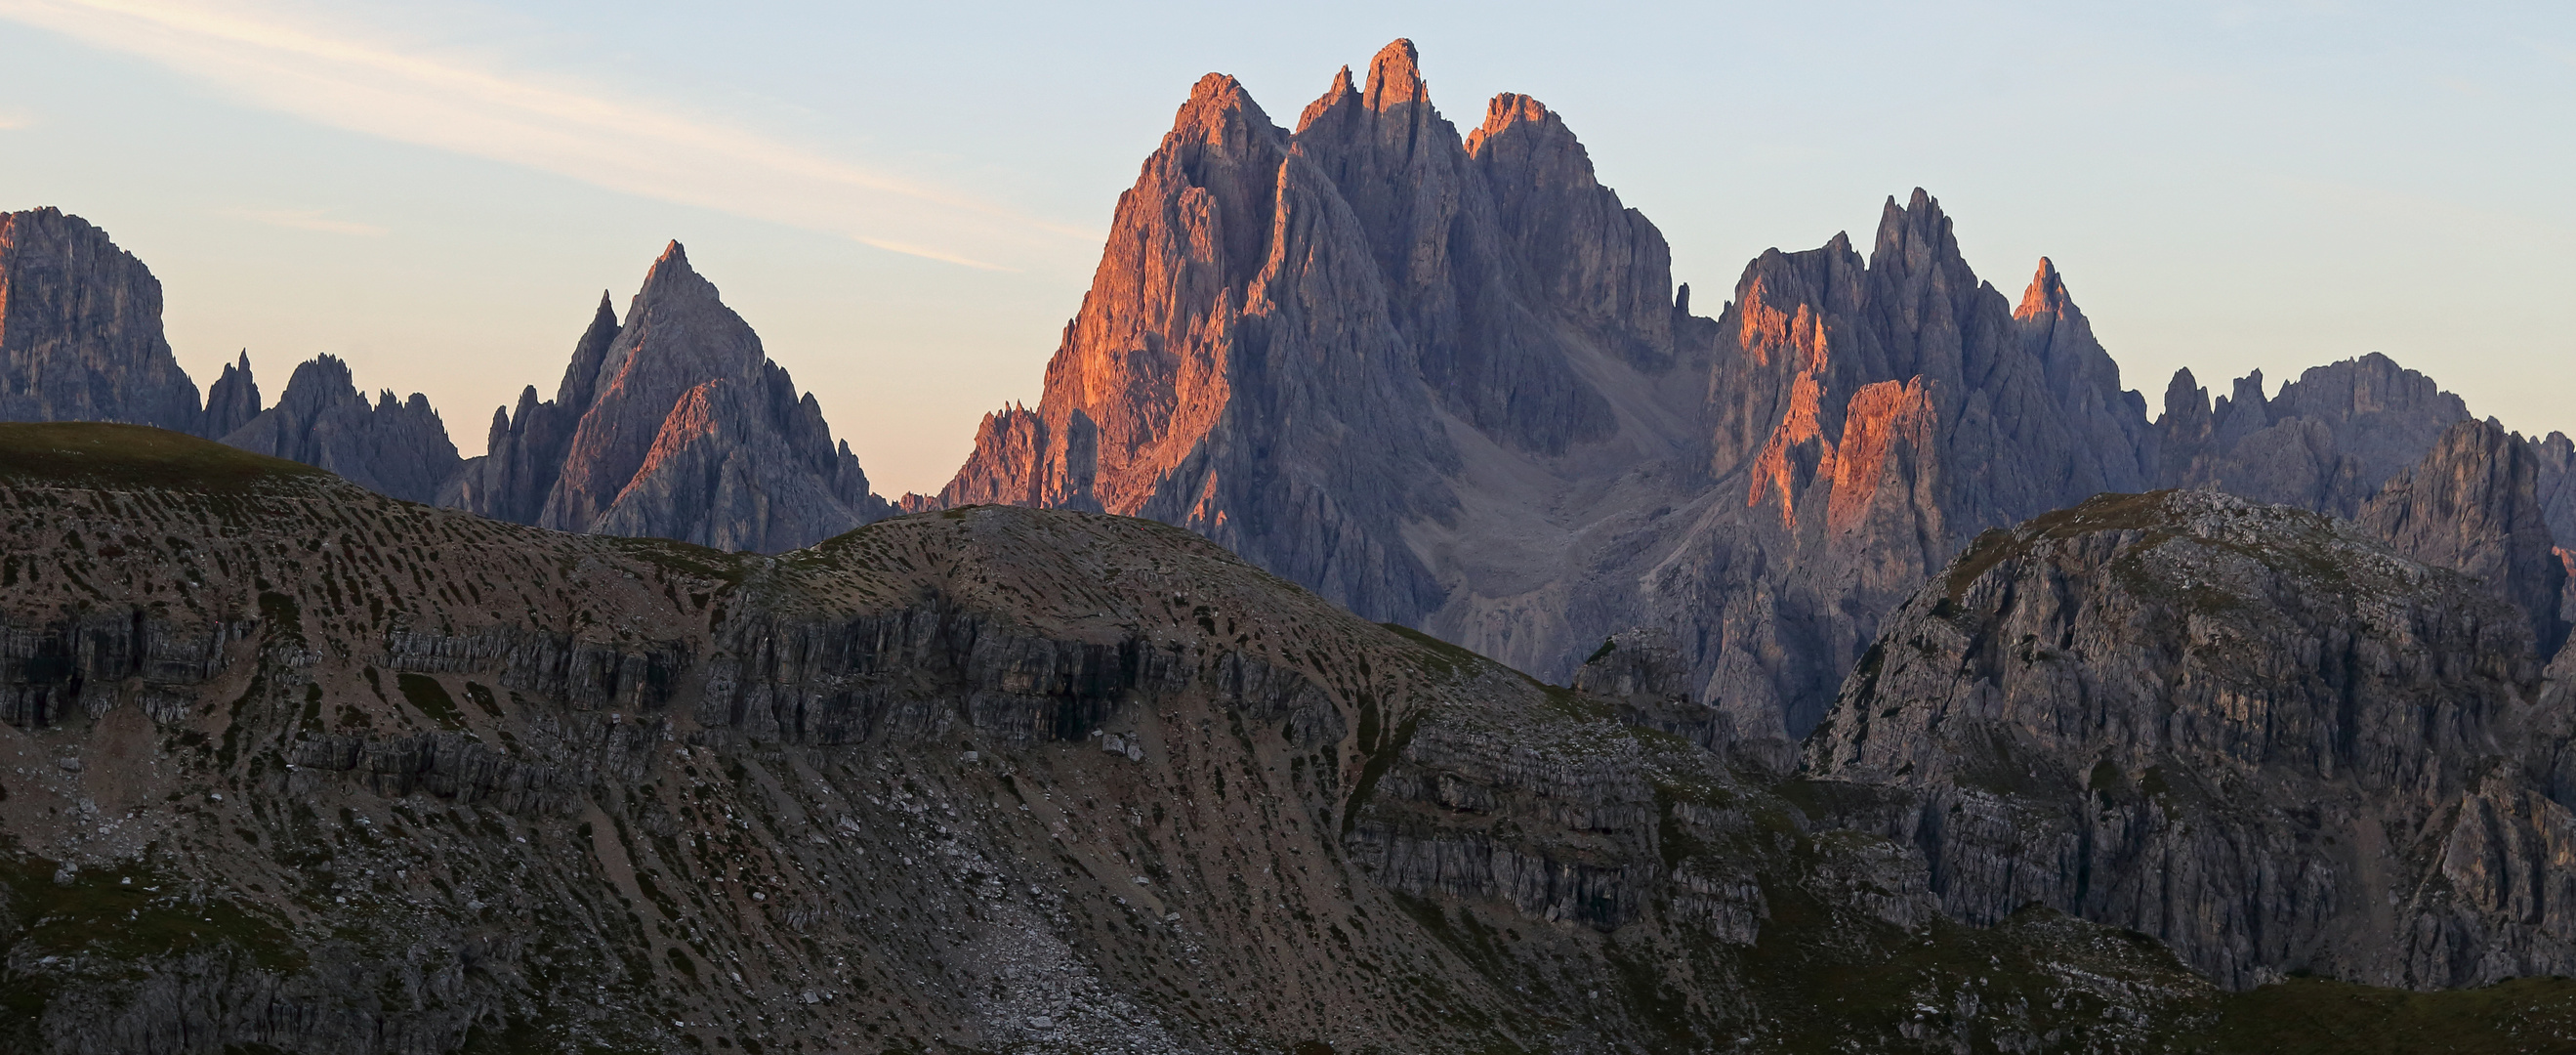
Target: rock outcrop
x,y
2473,506
80,329
2251,731
673,424
394,447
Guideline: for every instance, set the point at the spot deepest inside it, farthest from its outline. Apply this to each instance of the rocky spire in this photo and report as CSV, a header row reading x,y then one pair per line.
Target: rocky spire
x,y
673,423
232,401
524,455
1395,77
1586,254
2046,294
80,329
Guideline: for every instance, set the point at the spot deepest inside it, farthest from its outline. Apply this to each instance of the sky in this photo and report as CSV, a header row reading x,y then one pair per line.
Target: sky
x,y
907,201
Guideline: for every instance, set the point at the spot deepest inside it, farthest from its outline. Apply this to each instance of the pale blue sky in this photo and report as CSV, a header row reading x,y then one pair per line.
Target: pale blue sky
x,y
906,202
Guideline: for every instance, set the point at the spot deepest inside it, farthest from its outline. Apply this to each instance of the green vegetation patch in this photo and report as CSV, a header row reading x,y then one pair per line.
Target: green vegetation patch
x,y
94,453
2315,1015
430,698
129,915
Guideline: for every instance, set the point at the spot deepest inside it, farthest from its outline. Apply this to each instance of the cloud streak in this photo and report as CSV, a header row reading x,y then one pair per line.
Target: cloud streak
x,y
11,119
387,88
305,220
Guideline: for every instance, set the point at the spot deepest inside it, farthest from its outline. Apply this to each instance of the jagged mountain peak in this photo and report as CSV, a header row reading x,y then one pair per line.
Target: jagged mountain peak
x,y
2046,294
1335,93
1221,113
1395,76
1522,134
671,277
393,445
1916,235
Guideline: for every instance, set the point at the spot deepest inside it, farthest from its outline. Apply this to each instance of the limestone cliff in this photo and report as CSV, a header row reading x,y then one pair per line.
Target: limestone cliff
x,y
672,424
80,329
2473,506
399,448
2251,731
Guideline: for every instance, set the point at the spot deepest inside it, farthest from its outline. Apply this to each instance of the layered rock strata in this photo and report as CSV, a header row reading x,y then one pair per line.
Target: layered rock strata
x,y
296,766
2254,732
80,329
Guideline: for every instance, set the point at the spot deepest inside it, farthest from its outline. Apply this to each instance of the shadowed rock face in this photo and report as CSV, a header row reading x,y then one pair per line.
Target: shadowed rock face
x,y
233,400
674,424
2326,443
2472,506
399,448
2251,731
1867,418
989,779
80,329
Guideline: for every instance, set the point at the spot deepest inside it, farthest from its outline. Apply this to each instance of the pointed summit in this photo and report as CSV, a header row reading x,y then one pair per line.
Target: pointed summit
x,y
1341,90
233,400
682,429
2046,295
1395,76
1917,232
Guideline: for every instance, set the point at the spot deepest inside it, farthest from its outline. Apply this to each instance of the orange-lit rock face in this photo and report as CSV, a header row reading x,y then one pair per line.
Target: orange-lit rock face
x,y
1284,329
2046,294
1797,453
692,420
1889,430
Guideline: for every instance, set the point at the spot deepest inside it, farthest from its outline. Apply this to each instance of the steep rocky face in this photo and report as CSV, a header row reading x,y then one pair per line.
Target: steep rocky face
x,y
2250,731
1867,419
351,774
1445,381
1233,368
2326,443
2555,483
2473,506
399,448
673,424
232,401
80,329
523,458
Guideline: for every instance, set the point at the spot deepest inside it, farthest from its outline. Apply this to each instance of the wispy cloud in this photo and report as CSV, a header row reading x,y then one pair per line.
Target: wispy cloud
x,y
304,220
12,119
373,83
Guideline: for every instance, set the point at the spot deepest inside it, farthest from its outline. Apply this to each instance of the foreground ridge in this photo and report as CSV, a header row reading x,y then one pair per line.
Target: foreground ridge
x,y
297,765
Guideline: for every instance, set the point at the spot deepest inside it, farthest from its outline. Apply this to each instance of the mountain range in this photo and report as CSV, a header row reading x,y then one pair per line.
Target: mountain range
x,y
1951,628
